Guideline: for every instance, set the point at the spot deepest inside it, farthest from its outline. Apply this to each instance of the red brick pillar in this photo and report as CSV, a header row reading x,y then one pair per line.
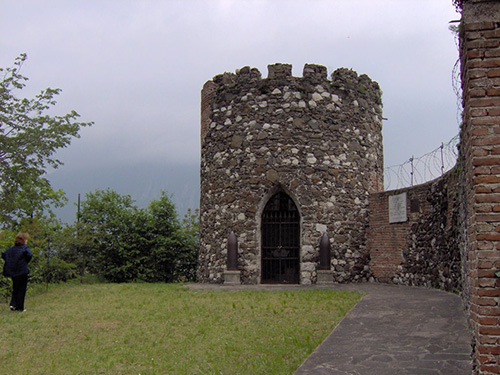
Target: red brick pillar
x,y
480,61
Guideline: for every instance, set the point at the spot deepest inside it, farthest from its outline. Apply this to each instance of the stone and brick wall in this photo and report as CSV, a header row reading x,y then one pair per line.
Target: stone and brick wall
x,y
317,139
426,250
480,62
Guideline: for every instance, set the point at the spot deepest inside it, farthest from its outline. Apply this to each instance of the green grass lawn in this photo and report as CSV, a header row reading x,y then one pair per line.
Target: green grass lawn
x,y
162,329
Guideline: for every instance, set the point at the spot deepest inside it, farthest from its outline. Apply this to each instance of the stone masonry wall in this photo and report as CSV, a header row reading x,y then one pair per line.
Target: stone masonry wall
x,y
316,139
427,249
480,69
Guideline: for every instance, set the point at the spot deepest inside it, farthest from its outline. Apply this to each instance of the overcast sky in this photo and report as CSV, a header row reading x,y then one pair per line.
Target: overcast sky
x,y
136,68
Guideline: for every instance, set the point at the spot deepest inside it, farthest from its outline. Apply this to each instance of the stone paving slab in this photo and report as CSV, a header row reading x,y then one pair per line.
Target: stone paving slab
x,y
396,330
393,330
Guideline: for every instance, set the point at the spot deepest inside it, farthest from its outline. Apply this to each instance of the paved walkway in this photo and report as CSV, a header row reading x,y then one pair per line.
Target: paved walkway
x,y
394,330
397,330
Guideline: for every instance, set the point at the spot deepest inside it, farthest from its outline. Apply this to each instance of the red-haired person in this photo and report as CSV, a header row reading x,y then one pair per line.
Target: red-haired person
x,y
16,260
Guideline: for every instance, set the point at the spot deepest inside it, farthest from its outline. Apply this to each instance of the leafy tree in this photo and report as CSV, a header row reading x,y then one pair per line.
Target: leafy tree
x,y
29,138
161,227
173,251
75,247
170,248
125,243
112,221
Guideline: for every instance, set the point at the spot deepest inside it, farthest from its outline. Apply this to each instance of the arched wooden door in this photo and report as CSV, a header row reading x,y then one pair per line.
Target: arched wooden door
x,y
280,241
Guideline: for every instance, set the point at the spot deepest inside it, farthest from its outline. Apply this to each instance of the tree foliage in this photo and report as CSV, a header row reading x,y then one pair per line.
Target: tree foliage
x,y
113,240
125,243
110,219
47,266
29,139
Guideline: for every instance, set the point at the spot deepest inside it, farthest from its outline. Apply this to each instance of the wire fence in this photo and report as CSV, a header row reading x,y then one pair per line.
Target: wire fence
x,y
439,161
418,170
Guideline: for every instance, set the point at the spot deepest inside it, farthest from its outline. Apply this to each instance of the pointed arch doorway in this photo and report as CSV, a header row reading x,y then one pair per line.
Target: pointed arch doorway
x,y
280,231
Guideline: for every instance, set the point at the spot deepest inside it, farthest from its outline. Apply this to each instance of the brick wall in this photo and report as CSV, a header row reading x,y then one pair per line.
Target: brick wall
x,y
480,62
426,249
386,241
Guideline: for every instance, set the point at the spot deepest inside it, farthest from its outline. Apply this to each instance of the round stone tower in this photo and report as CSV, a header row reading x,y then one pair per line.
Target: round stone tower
x,y
284,160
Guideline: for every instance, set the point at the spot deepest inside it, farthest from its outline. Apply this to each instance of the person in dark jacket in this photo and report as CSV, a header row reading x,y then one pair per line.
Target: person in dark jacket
x,y
16,267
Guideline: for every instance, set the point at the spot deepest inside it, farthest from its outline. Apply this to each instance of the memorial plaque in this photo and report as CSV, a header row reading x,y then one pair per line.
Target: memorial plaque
x,y
397,208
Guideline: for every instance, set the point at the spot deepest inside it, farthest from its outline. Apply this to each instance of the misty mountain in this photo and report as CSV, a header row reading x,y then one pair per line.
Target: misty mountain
x,y
142,181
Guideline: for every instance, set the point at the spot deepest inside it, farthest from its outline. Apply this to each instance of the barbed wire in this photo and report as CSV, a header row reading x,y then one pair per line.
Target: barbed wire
x,y
456,79
418,170
439,161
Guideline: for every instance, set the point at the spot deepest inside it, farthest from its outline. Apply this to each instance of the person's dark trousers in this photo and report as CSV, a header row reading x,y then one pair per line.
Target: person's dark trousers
x,y
19,286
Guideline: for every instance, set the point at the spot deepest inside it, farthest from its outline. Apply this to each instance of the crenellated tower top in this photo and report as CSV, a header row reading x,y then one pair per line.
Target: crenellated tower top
x,y
317,92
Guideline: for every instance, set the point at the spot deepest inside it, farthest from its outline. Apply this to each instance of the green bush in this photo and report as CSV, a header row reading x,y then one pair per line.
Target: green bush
x,y
124,243
113,239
